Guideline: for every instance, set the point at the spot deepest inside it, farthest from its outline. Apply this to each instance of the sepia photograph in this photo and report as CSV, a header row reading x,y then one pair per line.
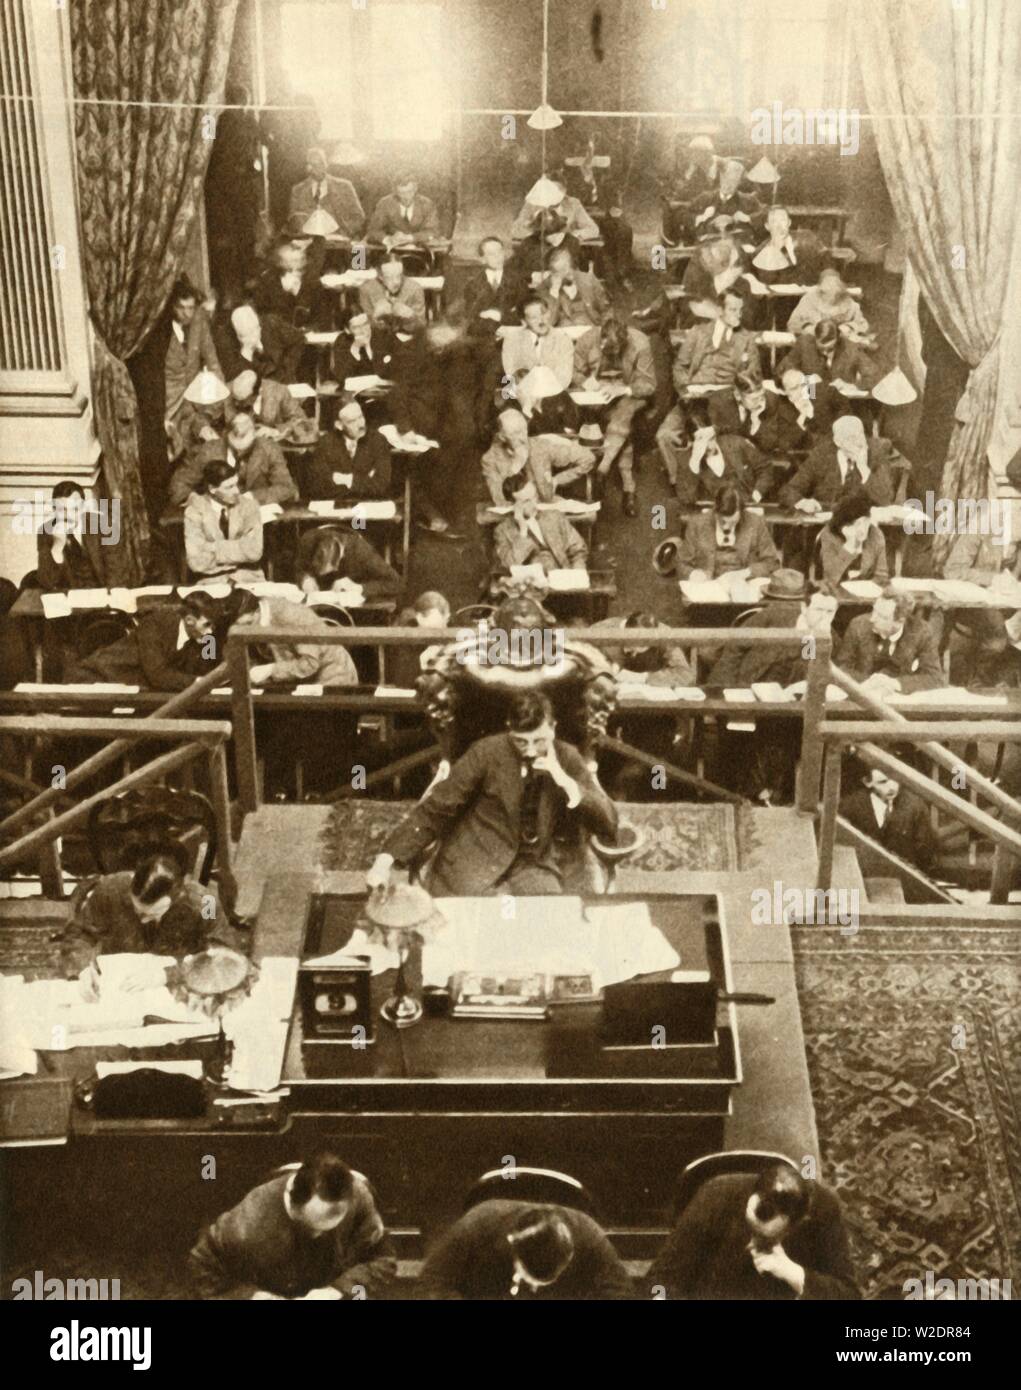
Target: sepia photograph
x,y
510,668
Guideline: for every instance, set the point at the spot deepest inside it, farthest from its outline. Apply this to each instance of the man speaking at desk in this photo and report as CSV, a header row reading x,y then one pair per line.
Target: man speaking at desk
x,y
498,815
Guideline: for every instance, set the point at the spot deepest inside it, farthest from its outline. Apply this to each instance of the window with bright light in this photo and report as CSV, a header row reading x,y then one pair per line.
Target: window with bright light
x,y
408,85
316,58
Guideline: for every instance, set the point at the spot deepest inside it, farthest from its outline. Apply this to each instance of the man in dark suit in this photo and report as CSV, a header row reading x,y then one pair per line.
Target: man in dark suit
x,y
894,818
727,540
844,464
498,812
367,349
259,462
290,292
777,1236
69,553
728,204
891,650
322,190
826,353
172,645
786,603
350,462
494,291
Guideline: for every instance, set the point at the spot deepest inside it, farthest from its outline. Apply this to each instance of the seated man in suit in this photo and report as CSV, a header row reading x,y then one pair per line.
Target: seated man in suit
x,y
273,348
222,526
618,359
368,348
568,211
551,461
549,234
171,646
258,461
694,176
851,547
323,190
711,462
723,207
289,292
891,650
987,655
824,352
988,560
537,344
845,463
393,300
499,813
69,552
573,297
155,908
531,537
665,666
787,602
190,349
492,294
897,819
710,354
774,1236
278,416
727,540
748,410
311,1232
505,1249
332,559
404,217
300,660
350,462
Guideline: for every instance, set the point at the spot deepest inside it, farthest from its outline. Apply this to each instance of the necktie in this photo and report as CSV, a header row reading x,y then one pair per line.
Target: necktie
x,y
225,522
530,796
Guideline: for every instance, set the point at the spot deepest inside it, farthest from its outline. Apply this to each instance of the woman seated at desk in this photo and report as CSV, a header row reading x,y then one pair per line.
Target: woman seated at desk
x,y
157,909
851,546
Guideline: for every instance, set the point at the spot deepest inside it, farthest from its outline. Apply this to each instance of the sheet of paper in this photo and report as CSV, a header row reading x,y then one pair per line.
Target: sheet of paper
x,y
576,330
273,588
89,598
705,590
191,1068
308,690
953,590
124,600
302,391
771,337
269,511
949,695
429,282
394,692
660,694
347,597
365,383
213,590
786,288
317,338
376,511
738,695
770,692
529,573
590,398
257,1061
154,590
56,606
568,581
862,588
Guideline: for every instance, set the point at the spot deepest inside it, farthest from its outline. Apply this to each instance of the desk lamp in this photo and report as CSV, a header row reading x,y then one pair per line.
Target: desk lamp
x,y
213,982
401,914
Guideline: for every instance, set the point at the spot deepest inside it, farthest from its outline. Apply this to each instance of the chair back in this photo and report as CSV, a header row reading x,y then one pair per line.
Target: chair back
x,y
102,631
124,827
543,1186
331,616
746,615
701,1170
474,613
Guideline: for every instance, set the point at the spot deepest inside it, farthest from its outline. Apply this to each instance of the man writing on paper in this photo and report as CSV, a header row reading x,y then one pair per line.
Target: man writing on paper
x,y
499,814
551,461
259,462
300,659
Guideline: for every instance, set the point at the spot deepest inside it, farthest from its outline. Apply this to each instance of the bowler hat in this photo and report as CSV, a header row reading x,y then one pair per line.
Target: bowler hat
x,y
785,586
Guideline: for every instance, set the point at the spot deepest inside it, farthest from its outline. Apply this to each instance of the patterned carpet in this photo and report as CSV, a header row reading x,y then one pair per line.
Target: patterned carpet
x,y
914,1053
677,836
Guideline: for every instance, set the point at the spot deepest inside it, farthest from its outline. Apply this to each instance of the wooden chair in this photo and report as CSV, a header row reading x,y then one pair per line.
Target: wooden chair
x,y
701,1170
124,827
543,1186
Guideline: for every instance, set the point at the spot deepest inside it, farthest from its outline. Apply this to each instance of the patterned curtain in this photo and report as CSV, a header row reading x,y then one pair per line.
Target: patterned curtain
x,y
145,75
943,88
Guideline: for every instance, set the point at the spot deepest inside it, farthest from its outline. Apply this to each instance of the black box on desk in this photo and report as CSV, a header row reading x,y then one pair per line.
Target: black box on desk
x,y
334,989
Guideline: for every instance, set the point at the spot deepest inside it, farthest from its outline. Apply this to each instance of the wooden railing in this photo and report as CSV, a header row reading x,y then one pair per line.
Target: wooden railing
x,y
785,639
891,726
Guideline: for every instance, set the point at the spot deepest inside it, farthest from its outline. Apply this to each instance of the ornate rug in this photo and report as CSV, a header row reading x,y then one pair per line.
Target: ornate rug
x,y
678,836
913,1037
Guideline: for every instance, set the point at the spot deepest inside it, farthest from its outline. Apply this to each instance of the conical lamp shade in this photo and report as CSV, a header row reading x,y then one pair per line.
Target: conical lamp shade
x,y
764,172
894,389
544,193
320,223
545,118
206,388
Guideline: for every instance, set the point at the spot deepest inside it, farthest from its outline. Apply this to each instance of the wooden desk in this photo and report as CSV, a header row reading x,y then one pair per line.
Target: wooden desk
x,y
812,214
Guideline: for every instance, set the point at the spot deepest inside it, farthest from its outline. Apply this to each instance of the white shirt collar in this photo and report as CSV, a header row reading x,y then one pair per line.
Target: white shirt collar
x,y
182,636
881,808
722,333
178,330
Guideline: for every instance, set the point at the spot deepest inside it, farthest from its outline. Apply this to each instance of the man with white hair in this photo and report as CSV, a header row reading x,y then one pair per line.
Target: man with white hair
x,y
276,413
845,463
259,463
551,461
726,205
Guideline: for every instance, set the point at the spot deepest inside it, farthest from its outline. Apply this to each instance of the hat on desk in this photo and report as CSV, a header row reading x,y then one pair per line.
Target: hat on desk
x,y
320,223
786,586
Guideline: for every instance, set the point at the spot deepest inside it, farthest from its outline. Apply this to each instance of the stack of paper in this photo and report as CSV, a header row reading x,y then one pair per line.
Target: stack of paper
x,y
319,338
269,511
659,693
948,695
369,382
301,391
862,588
568,581
410,443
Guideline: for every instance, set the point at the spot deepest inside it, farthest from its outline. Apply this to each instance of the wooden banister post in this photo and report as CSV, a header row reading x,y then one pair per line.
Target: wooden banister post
x,y
828,819
219,792
810,769
243,719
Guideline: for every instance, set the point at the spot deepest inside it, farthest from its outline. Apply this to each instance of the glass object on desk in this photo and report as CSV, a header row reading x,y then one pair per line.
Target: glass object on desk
x,y
401,915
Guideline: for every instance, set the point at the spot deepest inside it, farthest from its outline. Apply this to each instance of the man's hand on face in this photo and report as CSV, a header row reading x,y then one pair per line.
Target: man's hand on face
x,y
779,1264
549,763
208,434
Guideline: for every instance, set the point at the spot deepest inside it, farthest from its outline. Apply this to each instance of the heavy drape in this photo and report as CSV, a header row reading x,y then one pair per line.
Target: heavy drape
x,y
146,77
944,94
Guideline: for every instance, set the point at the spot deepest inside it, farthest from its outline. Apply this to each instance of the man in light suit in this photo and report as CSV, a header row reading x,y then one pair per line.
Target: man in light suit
x,y
573,297
404,217
322,190
393,300
498,813
538,344
222,527
299,659
569,211
891,650
277,415
259,463
618,359
531,537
